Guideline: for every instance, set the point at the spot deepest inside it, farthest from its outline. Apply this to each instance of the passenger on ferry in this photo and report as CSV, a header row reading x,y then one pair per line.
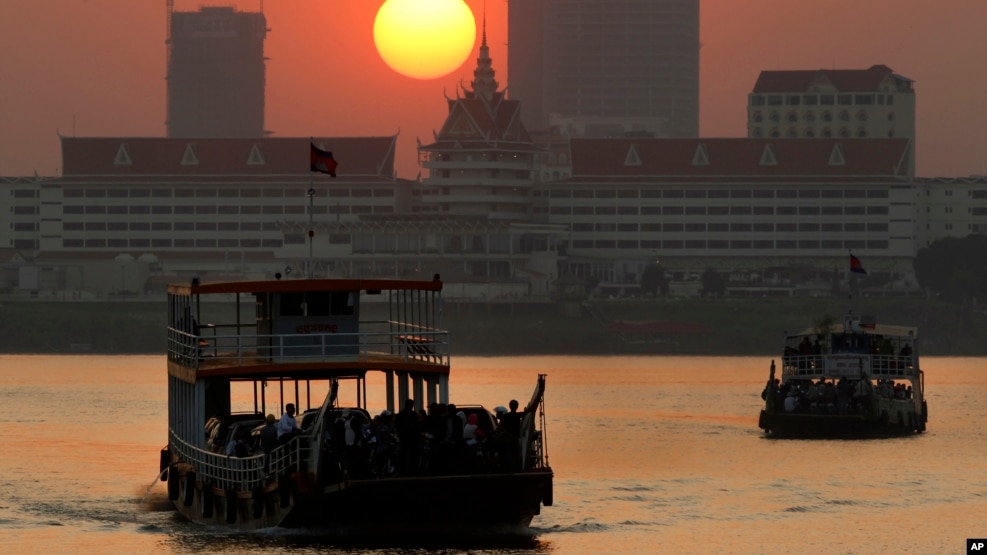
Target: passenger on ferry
x,y
385,444
474,436
791,402
190,326
269,434
805,346
408,431
512,420
237,447
288,426
356,445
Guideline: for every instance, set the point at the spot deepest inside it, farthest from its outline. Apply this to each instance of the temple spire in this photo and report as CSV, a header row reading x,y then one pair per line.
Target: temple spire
x,y
484,84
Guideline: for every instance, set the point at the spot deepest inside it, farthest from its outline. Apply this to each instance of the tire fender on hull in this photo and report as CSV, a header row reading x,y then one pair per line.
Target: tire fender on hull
x,y
231,506
173,485
189,489
207,500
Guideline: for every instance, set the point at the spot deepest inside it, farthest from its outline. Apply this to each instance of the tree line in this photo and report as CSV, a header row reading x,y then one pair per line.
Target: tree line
x,y
954,269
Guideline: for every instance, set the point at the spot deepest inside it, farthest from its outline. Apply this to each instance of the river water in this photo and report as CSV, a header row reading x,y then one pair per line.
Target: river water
x,y
651,455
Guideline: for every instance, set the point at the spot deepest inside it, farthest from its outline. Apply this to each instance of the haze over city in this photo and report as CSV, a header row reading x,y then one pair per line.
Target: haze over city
x,y
97,68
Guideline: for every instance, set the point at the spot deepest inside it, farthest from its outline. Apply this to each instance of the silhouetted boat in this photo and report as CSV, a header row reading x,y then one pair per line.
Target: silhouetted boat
x,y
855,379
264,344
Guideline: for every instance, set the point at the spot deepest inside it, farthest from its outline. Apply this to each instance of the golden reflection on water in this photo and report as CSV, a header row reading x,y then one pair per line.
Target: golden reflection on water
x,y
651,454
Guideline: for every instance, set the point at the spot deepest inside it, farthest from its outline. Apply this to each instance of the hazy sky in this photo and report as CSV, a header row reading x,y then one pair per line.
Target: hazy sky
x,y
97,68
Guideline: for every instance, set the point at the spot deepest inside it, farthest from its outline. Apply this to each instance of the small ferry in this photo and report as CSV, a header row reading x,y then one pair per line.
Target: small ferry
x,y
855,379
239,353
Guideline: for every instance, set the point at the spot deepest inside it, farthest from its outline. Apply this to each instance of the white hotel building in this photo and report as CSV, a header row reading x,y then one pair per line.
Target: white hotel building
x,y
499,213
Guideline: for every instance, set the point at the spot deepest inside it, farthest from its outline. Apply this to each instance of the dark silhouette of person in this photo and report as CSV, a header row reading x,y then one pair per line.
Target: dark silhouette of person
x,y
512,420
269,434
409,432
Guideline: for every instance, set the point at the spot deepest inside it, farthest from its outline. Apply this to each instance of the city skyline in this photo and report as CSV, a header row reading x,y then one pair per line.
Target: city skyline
x,y
77,70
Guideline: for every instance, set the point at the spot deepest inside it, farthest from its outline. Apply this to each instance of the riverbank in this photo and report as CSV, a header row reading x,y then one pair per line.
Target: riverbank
x,y
741,326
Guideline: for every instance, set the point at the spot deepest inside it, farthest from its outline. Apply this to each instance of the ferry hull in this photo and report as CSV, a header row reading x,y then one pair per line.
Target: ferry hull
x,y
486,502
482,502
785,425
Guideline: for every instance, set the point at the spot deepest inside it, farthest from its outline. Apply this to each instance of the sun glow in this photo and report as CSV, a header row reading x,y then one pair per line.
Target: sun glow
x,y
424,39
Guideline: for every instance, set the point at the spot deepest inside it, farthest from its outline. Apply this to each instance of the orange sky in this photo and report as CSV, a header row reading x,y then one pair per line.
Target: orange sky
x,y
97,68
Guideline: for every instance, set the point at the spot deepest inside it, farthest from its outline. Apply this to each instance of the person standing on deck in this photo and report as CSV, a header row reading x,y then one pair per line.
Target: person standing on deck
x,y
269,434
409,433
287,426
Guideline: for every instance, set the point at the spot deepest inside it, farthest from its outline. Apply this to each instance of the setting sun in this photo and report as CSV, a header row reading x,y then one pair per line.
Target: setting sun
x,y
424,39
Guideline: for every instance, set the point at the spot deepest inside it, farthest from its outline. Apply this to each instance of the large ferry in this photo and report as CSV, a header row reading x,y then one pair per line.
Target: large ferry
x,y
239,353
855,379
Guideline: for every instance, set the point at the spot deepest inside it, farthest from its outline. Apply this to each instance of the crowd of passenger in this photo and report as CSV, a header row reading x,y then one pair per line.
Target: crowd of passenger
x,y
844,396
808,353
443,440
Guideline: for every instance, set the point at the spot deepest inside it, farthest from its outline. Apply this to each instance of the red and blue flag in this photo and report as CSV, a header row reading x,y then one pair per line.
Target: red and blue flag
x,y
856,266
322,161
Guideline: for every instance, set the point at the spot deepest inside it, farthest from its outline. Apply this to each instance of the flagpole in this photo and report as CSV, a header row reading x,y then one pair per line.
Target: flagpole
x,y
849,287
311,210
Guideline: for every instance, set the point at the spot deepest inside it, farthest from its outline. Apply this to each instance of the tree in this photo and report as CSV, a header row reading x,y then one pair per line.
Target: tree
x,y
654,280
954,268
714,284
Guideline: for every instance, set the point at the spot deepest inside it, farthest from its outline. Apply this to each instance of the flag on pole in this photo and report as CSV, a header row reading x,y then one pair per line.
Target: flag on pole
x,y
856,266
322,161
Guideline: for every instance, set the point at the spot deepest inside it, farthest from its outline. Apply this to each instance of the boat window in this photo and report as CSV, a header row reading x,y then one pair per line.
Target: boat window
x,y
327,303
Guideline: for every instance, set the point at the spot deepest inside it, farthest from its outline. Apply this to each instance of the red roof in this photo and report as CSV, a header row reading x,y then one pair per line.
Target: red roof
x,y
111,156
850,80
715,158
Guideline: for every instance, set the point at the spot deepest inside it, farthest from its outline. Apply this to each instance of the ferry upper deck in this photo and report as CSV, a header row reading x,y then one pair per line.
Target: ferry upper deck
x,y
306,329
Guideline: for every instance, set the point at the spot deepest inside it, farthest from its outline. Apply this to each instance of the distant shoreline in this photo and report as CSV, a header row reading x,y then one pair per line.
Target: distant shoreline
x,y
728,327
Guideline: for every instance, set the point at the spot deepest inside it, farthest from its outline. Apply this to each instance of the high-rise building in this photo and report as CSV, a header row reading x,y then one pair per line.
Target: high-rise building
x,y
606,68
216,73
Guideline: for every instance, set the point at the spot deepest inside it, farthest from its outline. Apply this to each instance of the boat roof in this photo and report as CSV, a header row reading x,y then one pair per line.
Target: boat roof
x,y
874,329
303,286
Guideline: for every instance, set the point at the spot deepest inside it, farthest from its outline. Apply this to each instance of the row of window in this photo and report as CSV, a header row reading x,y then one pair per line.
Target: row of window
x,y
232,192
730,244
145,243
718,210
810,133
810,116
169,226
844,99
232,210
731,228
718,193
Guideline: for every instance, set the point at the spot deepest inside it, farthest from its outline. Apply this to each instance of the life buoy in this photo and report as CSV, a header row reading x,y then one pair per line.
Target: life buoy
x,y
189,488
207,500
173,485
230,506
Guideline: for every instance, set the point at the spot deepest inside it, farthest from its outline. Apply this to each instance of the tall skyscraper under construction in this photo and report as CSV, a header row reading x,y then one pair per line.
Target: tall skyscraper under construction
x,y
216,73
606,68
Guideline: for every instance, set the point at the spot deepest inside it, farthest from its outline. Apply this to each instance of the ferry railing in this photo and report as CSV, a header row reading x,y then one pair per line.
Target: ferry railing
x,y
243,473
824,365
409,344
